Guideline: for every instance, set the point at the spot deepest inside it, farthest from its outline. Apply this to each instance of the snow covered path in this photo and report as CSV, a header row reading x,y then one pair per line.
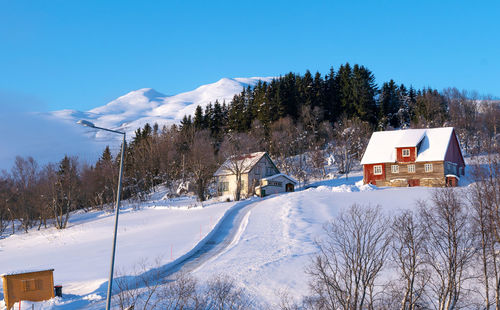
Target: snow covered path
x,y
218,241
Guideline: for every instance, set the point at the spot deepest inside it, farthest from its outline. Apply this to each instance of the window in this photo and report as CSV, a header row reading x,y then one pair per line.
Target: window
x,y
275,183
223,186
242,183
406,152
411,168
32,285
428,167
395,169
377,170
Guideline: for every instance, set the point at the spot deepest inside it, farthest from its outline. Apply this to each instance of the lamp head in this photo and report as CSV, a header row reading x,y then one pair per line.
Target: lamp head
x,y
86,123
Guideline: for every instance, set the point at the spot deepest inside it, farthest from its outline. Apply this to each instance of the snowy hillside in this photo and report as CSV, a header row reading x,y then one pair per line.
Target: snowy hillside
x,y
146,105
263,243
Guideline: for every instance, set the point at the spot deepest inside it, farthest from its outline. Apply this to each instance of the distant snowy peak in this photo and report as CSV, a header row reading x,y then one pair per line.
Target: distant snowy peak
x,y
136,108
141,99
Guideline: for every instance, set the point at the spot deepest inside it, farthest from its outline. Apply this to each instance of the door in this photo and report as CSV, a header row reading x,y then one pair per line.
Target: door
x,y
414,182
289,187
451,181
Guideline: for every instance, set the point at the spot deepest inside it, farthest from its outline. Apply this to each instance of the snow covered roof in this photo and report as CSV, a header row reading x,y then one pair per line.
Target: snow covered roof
x,y
244,163
23,271
280,175
411,138
383,144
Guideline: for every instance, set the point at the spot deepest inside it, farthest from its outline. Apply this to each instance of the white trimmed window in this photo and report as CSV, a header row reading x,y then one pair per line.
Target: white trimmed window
x,y
377,170
224,186
411,168
406,152
395,169
428,167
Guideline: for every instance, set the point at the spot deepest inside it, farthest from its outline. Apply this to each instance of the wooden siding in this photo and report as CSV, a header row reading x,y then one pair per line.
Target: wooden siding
x,y
454,154
404,178
30,286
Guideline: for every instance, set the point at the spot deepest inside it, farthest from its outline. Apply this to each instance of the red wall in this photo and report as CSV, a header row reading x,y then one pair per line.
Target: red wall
x,y
369,177
411,158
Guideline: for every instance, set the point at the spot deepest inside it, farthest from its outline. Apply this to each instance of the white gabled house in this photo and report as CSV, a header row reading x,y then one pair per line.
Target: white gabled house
x,y
259,175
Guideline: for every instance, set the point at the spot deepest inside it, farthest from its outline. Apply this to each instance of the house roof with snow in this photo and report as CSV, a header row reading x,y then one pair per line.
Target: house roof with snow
x,y
280,175
432,144
244,163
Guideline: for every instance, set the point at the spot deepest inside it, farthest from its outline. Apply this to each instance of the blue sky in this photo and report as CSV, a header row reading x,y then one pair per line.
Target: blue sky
x,y
82,54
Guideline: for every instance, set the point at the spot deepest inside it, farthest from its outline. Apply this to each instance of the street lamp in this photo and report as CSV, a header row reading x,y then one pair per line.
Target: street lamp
x,y
117,207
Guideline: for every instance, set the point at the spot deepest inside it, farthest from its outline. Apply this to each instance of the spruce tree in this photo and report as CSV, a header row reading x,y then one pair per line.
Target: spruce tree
x,y
345,90
198,121
331,104
364,90
389,105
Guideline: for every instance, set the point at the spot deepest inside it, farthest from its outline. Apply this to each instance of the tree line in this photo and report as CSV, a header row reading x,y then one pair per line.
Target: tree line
x,y
300,120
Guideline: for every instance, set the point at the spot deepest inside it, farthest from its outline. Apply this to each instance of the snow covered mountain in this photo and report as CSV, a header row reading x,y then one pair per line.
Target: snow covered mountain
x,y
146,105
48,136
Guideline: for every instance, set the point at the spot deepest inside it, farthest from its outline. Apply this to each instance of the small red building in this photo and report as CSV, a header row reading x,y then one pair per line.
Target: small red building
x,y
413,157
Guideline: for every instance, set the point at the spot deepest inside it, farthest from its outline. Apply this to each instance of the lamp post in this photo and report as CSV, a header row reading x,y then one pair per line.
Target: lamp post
x,y
117,207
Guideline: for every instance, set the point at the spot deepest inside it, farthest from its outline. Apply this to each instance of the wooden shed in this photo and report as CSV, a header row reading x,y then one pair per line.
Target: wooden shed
x,y
29,286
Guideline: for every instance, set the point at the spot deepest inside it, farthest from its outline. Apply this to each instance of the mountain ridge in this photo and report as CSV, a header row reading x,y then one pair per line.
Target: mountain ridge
x,y
146,105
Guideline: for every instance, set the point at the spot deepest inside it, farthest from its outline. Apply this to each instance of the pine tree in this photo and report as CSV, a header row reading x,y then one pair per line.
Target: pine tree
x,y
216,126
345,88
364,90
198,121
331,104
389,105
404,107
186,123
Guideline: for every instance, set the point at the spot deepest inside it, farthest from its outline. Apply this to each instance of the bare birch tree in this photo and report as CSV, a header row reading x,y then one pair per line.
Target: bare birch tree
x,y
483,198
407,249
449,249
201,162
233,149
344,273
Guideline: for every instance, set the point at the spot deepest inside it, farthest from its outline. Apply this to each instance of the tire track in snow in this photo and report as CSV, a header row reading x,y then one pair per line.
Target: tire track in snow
x,y
224,236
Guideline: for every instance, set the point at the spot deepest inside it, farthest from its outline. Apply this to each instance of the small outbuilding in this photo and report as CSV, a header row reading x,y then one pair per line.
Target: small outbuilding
x,y
29,286
274,184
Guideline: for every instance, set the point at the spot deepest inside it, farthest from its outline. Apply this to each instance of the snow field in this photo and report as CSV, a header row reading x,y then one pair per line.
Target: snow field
x,y
279,240
273,244
81,253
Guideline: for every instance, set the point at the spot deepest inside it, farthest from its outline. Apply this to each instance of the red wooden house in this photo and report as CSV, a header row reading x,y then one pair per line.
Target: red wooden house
x,y
413,157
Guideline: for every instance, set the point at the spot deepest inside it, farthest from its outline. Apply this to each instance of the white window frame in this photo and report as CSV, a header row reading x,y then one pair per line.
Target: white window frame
x,y
224,186
411,168
376,170
394,168
406,152
428,168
